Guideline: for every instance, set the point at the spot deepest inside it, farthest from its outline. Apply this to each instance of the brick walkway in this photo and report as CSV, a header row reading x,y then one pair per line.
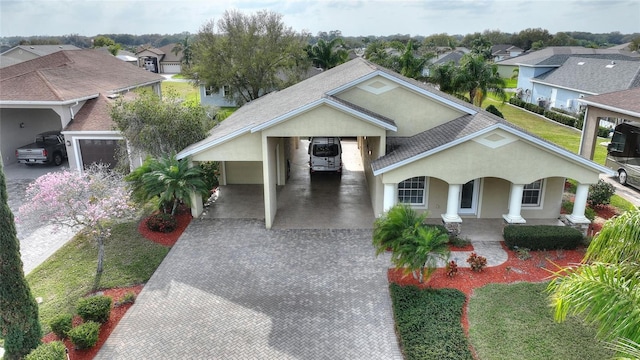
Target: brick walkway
x,y
230,289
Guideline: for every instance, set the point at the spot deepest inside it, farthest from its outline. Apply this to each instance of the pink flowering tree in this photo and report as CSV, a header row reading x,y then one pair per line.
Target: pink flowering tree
x,y
91,200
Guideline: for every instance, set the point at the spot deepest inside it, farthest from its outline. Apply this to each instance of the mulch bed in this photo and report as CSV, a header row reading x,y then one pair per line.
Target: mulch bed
x,y
538,268
167,239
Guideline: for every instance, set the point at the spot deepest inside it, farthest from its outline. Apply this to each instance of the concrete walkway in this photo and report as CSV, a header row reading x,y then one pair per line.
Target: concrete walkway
x,y
230,289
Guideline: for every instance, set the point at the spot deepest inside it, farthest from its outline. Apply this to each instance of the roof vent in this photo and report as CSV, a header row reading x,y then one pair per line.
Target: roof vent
x,y
581,63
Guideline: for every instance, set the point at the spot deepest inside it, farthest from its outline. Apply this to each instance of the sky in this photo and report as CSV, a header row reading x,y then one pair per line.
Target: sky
x,y
352,17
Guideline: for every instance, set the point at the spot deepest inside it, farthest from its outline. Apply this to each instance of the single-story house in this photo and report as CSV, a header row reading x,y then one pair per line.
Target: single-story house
x,y
505,51
418,145
67,91
161,60
621,105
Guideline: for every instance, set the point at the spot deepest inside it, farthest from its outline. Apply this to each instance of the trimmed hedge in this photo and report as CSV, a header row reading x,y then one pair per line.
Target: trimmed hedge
x,y
428,323
54,350
562,119
94,308
542,237
85,336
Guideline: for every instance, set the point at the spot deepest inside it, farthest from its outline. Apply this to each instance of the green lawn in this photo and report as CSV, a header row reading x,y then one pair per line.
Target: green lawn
x,y
510,83
563,136
514,321
69,274
184,90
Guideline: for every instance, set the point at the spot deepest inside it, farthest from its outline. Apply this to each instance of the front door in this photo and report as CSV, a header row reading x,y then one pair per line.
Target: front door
x,y
469,197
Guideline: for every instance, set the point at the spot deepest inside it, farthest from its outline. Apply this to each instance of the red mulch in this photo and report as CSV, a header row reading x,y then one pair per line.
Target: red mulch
x,y
468,247
167,239
536,269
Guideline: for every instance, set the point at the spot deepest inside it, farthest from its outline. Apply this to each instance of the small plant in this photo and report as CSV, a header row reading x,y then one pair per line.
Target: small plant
x,y
600,193
128,298
54,350
95,308
459,242
162,222
522,253
86,335
452,268
494,110
478,263
61,324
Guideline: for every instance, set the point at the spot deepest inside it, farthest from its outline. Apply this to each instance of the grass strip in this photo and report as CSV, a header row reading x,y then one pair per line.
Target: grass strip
x,y
428,323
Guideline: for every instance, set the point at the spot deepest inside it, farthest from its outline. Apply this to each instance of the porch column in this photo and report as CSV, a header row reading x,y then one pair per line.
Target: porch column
x,y
579,205
389,197
197,207
589,134
515,205
453,202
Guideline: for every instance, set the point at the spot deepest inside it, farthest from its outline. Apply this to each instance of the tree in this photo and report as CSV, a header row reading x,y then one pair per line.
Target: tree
x,y
525,38
482,46
327,54
158,127
102,41
477,77
409,64
19,325
606,286
184,46
443,76
414,246
376,52
440,40
91,200
169,179
253,54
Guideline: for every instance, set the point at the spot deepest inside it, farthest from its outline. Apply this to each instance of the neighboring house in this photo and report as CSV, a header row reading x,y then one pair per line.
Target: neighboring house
x,y
161,60
544,57
453,56
505,51
22,53
620,105
418,145
67,91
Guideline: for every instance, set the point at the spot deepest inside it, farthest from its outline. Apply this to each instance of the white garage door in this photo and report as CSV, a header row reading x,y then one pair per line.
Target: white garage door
x,y
171,68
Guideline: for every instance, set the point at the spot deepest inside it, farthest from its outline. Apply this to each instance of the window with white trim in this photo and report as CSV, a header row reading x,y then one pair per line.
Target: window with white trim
x,y
211,90
226,90
532,194
412,191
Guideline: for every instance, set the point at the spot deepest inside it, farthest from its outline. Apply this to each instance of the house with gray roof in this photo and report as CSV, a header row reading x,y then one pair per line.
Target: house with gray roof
x,y
67,91
419,146
160,60
22,53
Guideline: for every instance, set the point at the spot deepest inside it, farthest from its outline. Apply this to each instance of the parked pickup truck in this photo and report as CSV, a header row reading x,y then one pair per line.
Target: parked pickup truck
x,y
48,148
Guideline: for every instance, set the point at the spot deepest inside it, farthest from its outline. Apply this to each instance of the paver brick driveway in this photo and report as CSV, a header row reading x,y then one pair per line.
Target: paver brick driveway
x,y
230,289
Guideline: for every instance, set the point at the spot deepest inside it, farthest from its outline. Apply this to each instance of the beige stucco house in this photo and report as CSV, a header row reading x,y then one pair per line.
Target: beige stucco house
x,y
418,146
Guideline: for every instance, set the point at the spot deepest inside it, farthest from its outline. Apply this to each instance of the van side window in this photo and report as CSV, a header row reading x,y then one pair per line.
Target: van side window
x,y
325,150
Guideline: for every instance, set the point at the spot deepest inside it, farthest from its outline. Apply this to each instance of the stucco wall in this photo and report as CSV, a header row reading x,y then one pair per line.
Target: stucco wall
x,y
373,183
412,112
247,147
243,172
12,136
552,200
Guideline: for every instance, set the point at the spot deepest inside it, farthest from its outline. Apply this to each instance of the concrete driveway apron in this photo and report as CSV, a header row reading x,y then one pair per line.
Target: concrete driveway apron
x,y
229,289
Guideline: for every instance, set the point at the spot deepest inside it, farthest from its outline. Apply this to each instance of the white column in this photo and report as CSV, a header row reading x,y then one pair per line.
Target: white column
x,y
453,203
515,205
196,200
579,205
390,196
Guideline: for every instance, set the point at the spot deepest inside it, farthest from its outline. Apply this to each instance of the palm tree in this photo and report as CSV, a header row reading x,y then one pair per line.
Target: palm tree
x,y
443,76
327,55
168,178
185,47
414,246
410,65
477,77
606,286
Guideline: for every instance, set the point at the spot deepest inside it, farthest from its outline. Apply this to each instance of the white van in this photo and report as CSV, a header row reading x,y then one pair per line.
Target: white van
x,y
325,154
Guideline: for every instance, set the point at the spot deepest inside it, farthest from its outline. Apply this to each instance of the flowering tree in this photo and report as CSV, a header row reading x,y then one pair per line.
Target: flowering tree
x,y
91,200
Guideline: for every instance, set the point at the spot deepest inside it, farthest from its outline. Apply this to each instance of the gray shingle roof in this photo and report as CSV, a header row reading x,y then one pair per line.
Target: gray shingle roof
x,y
594,75
628,100
541,56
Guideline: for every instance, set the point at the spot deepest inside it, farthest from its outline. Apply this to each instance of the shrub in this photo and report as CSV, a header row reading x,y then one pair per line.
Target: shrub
x,y
128,298
600,193
61,324
452,268
603,131
517,102
522,253
95,308
54,350
534,108
86,335
162,222
494,110
458,241
478,263
562,119
541,237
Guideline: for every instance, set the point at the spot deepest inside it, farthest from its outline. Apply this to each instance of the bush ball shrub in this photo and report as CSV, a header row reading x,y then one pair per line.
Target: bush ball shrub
x,y
54,350
61,324
86,335
600,193
494,110
95,308
162,222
